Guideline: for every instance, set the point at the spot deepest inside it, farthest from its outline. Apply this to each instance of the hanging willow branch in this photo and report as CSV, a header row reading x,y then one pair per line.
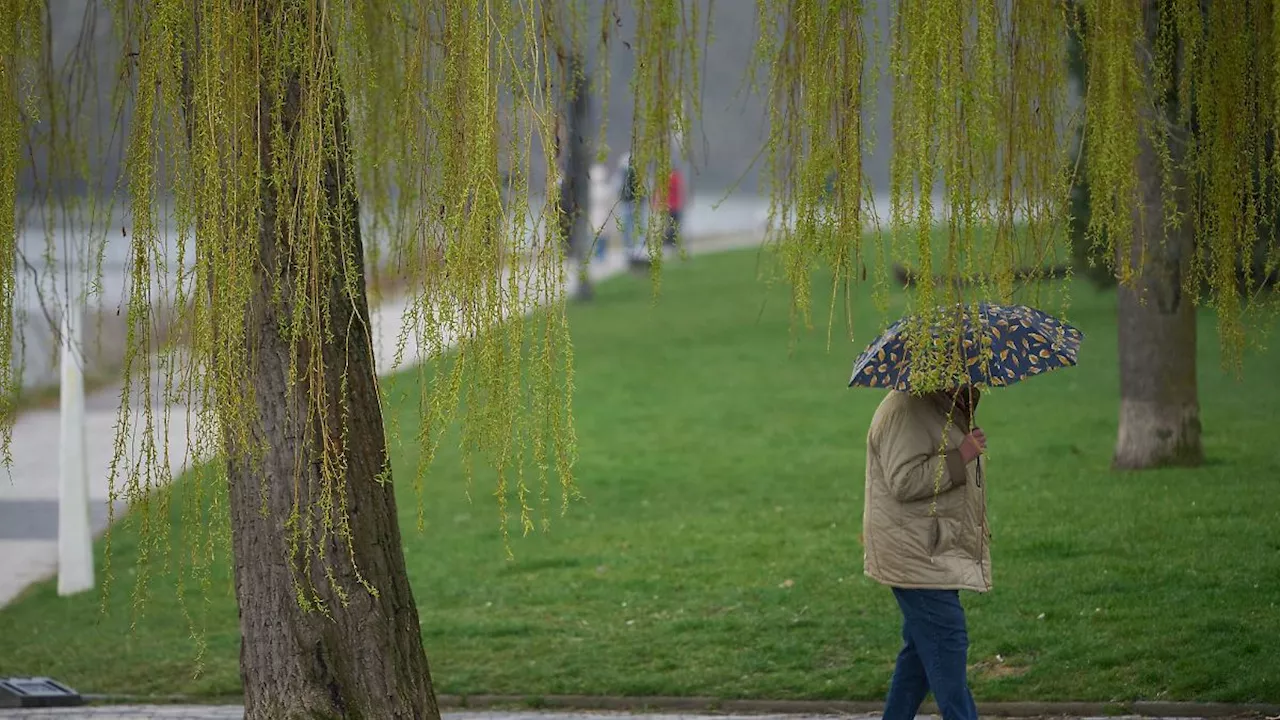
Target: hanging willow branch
x,y
449,103
816,52
978,171
21,42
665,93
979,174
232,132
1198,81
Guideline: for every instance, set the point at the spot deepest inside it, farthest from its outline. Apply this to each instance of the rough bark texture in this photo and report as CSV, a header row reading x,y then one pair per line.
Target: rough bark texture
x,y
365,659
1159,401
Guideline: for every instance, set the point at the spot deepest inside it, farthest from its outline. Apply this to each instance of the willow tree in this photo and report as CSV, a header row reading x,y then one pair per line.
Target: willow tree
x,y
303,147
1199,94
1179,121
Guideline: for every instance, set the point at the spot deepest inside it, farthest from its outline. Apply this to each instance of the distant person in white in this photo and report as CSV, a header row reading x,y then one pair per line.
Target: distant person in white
x,y
628,190
600,201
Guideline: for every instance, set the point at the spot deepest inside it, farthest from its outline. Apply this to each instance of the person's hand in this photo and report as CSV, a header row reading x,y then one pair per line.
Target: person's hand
x,y
975,443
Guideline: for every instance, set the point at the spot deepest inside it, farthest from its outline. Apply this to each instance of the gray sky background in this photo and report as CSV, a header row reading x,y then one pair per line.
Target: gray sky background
x,y
733,127
726,138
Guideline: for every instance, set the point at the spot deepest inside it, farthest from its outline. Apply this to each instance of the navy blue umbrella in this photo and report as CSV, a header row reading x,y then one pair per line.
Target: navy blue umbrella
x,y
1002,344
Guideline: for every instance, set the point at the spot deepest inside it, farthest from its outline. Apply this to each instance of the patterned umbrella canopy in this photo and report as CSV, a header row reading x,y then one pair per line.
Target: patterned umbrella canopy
x,y
1016,341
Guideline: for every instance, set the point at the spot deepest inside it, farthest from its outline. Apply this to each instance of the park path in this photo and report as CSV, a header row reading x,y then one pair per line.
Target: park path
x,y
29,494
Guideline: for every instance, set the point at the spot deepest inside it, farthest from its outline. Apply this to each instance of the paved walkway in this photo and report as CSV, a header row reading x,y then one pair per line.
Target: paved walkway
x,y
29,496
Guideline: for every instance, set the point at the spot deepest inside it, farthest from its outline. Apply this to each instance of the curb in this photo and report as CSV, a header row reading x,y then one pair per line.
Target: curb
x,y
718,706
854,707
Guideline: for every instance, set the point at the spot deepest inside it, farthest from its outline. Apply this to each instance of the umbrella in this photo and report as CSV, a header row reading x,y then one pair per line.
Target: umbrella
x,y
1019,341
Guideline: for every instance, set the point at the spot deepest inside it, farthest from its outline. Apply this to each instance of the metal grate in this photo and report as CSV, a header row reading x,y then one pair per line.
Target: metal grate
x,y
36,692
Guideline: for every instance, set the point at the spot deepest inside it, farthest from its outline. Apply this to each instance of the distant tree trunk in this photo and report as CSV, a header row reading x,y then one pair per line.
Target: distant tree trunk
x,y
1159,401
581,237
365,659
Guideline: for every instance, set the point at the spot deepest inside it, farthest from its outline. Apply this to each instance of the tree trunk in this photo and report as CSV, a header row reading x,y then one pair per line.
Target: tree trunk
x,y
361,658
1159,402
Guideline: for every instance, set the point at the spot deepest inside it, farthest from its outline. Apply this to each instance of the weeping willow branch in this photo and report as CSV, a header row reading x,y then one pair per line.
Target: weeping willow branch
x,y
449,103
21,40
666,96
1198,80
978,173
453,108
817,53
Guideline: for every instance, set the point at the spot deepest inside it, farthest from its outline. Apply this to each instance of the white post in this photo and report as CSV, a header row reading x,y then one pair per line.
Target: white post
x,y
75,538
600,204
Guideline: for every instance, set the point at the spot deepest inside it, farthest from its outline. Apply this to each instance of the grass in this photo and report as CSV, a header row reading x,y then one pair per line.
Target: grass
x,y
717,552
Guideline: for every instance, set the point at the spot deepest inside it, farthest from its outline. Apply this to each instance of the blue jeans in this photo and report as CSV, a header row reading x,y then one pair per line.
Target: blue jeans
x,y
934,651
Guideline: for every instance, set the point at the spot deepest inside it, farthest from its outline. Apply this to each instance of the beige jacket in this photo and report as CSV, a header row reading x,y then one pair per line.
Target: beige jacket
x,y
924,521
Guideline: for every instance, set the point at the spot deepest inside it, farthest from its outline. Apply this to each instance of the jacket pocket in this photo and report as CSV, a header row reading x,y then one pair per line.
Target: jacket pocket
x,y
942,538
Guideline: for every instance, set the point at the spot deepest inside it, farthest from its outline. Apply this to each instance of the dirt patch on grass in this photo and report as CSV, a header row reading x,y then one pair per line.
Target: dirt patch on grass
x,y
998,667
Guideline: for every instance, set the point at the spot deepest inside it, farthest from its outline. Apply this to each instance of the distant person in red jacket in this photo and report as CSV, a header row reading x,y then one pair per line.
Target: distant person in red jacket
x,y
675,206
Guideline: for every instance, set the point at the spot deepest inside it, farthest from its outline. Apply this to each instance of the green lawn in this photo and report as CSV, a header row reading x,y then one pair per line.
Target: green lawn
x,y
717,552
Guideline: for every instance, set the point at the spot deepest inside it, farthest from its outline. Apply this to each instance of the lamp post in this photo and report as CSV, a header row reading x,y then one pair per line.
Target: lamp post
x,y
75,537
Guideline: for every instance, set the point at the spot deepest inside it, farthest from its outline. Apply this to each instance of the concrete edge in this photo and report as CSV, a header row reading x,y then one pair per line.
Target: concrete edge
x,y
713,706
854,707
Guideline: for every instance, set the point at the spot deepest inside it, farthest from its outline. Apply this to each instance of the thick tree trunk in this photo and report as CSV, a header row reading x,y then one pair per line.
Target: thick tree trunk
x,y
1159,402
361,658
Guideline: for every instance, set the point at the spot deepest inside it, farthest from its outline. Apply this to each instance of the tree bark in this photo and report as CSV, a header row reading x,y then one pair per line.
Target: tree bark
x,y
1159,400
362,658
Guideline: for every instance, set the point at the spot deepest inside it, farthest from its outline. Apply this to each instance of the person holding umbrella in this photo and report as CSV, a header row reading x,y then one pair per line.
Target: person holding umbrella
x,y
925,525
